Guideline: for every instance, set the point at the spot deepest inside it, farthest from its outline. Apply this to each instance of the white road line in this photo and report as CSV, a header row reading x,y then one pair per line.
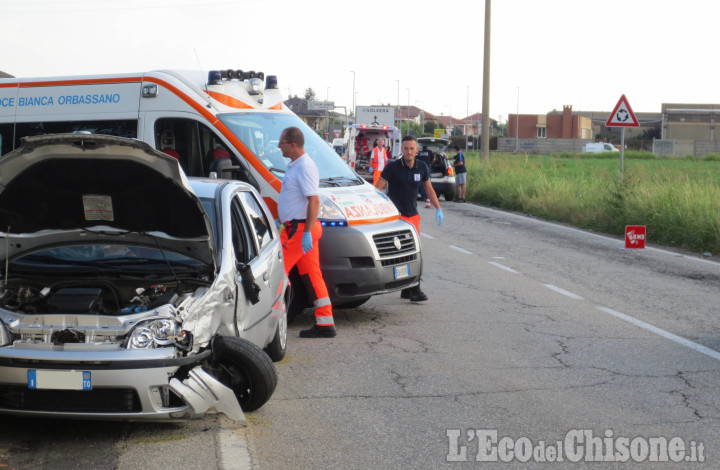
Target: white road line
x,y
232,447
457,248
563,292
660,332
427,236
502,266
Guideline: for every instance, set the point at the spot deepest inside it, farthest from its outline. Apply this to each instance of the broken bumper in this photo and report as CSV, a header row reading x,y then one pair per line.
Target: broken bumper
x,y
115,383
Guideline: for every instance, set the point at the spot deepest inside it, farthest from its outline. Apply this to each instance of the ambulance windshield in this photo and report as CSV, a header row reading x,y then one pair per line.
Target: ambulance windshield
x,y
260,133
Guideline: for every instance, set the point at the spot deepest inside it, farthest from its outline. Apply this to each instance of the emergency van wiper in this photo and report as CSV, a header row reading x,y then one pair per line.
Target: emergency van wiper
x,y
334,180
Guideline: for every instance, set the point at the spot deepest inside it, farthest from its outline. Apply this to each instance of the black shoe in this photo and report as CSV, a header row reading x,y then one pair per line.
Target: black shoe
x,y
318,331
405,293
417,295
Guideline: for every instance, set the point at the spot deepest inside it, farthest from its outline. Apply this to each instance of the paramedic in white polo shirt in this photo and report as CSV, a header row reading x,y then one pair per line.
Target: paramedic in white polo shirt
x,y
298,208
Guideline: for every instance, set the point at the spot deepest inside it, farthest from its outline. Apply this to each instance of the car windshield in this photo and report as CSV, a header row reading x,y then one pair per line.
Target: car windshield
x,y
260,133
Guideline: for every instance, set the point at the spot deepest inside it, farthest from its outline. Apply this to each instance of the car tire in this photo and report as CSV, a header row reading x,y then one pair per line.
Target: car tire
x,y
449,196
352,303
278,346
245,369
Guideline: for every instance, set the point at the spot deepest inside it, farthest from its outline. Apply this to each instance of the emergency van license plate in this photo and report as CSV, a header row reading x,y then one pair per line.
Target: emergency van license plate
x,y
60,379
402,271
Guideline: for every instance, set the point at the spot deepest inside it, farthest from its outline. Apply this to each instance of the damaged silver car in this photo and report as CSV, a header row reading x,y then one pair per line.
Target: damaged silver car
x,y
128,291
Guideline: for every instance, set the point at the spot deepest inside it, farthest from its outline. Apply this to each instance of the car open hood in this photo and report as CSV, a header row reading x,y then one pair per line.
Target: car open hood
x,y
71,188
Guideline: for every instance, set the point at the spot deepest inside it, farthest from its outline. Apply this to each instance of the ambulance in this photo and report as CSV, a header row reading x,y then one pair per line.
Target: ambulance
x,y
227,123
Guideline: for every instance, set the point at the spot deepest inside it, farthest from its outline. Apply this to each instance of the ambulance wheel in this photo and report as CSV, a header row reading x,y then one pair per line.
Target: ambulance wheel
x,y
352,303
298,297
449,196
245,369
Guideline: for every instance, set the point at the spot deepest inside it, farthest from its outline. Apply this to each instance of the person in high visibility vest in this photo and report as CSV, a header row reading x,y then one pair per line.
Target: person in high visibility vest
x,y
378,160
298,207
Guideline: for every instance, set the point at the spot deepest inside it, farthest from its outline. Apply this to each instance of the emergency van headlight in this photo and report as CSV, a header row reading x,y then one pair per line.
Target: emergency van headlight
x,y
330,212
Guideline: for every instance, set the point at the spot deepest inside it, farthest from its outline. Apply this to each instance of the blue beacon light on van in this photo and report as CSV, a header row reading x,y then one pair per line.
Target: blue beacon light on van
x,y
333,223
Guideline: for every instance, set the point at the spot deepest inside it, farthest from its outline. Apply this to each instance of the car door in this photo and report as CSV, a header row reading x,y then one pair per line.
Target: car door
x,y
259,249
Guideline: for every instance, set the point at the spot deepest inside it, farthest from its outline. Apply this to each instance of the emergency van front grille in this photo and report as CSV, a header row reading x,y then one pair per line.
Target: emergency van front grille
x,y
387,243
400,260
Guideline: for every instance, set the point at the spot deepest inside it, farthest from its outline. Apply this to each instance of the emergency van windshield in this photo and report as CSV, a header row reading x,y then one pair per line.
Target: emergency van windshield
x,y
260,133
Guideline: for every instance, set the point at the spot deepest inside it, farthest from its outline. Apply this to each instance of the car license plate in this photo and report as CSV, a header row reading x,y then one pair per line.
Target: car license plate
x,y
402,271
60,379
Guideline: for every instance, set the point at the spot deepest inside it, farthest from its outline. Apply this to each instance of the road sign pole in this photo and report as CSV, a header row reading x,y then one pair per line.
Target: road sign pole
x,y
622,152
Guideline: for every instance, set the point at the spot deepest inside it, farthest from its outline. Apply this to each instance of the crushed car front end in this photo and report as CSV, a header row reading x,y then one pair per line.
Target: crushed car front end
x,y
106,252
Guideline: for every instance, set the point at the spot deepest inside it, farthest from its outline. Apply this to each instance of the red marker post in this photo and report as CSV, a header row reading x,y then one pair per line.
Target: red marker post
x,y
634,237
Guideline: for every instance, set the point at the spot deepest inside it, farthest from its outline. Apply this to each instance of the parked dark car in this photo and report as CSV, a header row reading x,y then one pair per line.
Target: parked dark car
x,y
442,173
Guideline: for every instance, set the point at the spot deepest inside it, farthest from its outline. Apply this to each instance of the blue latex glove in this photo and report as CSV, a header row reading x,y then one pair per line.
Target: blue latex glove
x,y
439,217
307,242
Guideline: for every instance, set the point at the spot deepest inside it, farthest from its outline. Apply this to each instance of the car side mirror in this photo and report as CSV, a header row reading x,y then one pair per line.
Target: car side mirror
x,y
250,287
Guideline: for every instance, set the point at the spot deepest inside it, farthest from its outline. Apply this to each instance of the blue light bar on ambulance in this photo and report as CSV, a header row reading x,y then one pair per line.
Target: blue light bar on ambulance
x,y
214,77
333,223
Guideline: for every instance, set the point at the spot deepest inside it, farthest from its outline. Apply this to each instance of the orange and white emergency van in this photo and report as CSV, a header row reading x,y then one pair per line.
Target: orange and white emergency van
x,y
228,123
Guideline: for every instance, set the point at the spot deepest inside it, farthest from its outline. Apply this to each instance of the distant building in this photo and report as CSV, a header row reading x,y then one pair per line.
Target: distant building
x,y
565,125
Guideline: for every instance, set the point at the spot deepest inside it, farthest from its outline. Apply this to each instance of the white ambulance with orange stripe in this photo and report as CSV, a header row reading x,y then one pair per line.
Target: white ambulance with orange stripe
x,y
228,123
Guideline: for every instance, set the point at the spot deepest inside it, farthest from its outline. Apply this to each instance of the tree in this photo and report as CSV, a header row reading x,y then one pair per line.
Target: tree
x,y
309,95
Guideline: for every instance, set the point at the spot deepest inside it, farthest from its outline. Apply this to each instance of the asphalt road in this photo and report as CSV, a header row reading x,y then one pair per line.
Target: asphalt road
x,y
534,332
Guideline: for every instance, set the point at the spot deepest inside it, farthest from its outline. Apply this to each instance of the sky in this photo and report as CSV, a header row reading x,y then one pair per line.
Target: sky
x,y
544,54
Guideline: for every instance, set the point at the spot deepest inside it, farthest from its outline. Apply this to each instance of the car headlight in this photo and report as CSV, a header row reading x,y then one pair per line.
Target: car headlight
x,y
155,333
329,210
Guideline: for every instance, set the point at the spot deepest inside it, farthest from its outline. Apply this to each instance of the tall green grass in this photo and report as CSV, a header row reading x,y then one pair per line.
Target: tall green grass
x,y
678,199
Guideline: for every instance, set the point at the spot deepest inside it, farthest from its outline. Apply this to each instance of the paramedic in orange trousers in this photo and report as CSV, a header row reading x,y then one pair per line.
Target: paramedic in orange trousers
x,y
404,177
298,207
378,160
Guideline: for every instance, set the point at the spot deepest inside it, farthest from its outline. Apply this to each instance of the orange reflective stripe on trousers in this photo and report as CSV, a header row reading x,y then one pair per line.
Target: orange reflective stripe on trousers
x,y
308,267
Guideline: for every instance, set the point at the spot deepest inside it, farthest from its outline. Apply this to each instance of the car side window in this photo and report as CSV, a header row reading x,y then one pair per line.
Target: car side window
x,y
242,237
258,219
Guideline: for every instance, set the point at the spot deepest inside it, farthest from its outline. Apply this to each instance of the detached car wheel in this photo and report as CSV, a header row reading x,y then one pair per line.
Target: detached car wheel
x,y
244,368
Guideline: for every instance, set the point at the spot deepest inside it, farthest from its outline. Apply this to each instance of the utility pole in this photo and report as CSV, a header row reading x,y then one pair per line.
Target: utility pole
x,y
486,87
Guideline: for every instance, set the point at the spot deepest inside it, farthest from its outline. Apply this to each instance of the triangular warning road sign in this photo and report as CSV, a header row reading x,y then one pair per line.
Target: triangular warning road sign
x,y
622,115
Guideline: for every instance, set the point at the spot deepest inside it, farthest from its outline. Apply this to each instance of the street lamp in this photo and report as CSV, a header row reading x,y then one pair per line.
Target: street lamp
x,y
517,122
353,101
408,110
398,101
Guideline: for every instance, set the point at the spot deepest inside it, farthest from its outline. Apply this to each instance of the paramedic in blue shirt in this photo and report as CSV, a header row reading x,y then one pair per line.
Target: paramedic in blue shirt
x,y
403,178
